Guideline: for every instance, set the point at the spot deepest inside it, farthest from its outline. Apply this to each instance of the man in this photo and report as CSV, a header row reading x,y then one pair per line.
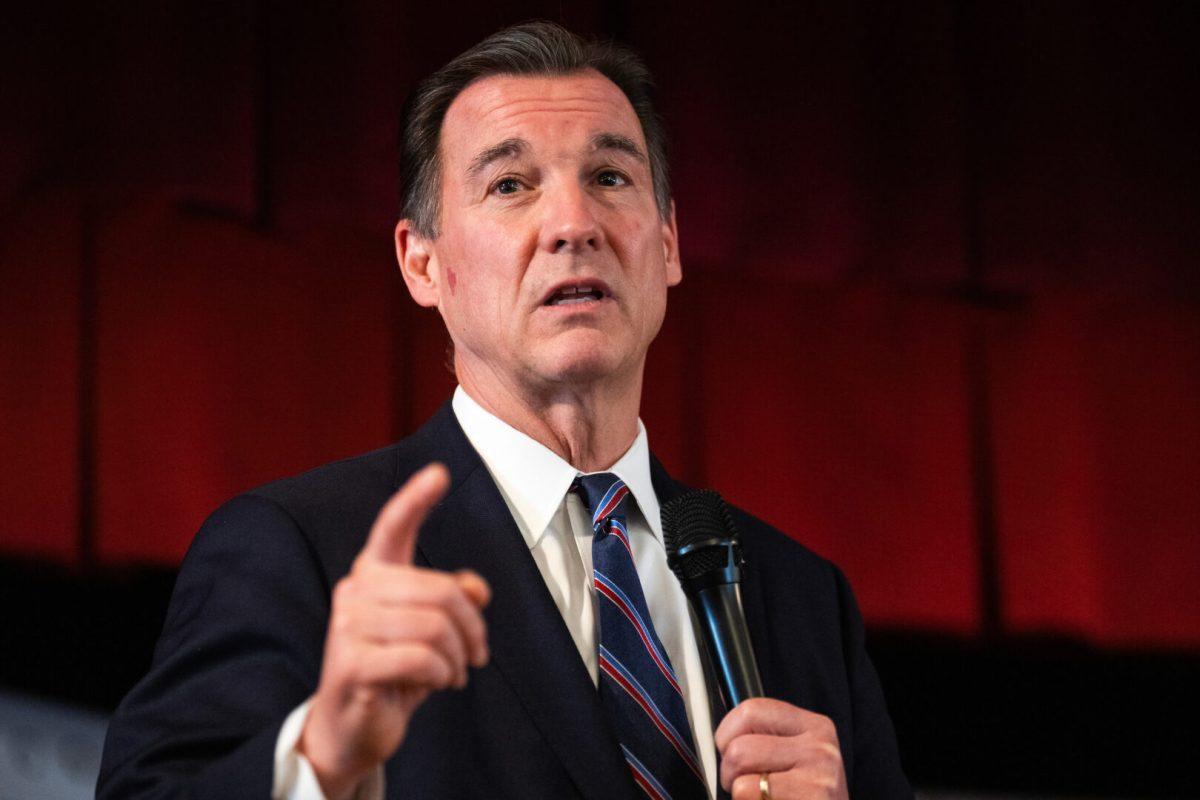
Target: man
x,y
505,624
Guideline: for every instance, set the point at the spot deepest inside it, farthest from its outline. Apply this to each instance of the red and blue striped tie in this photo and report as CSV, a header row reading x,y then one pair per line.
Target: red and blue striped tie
x,y
637,684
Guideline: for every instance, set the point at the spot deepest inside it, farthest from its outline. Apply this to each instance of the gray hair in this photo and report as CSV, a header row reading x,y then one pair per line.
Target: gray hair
x,y
533,48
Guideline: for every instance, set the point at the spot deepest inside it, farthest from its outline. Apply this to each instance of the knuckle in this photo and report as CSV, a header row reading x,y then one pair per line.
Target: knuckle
x,y
438,672
445,636
830,782
410,662
428,667
831,763
442,631
743,714
825,728
736,755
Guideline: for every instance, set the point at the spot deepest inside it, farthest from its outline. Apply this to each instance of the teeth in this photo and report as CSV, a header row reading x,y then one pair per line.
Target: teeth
x,y
574,294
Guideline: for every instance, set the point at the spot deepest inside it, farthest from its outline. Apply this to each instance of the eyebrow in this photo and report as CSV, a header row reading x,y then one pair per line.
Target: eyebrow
x,y
615,141
509,148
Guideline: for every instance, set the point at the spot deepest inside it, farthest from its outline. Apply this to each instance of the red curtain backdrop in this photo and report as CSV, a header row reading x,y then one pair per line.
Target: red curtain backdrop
x,y
939,316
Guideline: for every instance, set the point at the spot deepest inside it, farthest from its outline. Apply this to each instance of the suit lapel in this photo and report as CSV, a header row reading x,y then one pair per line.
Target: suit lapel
x,y
530,645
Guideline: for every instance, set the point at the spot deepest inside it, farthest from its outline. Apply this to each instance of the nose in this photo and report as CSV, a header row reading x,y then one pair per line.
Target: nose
x,y
570,224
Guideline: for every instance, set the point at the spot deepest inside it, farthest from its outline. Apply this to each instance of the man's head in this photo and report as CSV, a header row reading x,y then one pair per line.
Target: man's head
x,y
535,48
549,239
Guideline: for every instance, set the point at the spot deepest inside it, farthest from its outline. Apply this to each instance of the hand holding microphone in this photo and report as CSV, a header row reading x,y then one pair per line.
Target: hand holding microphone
x,y
770,750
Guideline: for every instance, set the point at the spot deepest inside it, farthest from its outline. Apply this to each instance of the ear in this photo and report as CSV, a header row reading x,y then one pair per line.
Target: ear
x,y
670,235
418,264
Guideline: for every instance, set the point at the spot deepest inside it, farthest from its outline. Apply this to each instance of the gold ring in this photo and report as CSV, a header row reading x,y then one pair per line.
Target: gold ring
x,y
764,786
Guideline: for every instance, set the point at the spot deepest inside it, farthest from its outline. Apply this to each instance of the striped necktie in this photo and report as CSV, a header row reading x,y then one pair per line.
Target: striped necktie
x,y
638,687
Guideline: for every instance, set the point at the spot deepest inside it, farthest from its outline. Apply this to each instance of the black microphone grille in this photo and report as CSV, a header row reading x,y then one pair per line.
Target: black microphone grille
x,y
692,519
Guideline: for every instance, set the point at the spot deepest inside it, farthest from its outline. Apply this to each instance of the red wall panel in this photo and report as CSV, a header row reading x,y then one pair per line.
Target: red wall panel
x,y
1097,431
226,359
40,267
860,189
842,419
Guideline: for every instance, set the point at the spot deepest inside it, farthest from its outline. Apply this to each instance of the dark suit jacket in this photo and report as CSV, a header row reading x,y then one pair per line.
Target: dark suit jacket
x,y
243,639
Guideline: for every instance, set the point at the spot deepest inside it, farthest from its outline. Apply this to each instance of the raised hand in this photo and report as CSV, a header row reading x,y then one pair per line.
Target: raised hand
x,y
396,633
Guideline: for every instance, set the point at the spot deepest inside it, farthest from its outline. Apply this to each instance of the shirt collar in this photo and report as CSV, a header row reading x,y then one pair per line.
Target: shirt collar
x,y
534,479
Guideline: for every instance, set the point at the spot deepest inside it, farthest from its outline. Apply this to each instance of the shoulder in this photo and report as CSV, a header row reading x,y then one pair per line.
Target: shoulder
x,y
326,511
783,563
315,497
771,556
774,546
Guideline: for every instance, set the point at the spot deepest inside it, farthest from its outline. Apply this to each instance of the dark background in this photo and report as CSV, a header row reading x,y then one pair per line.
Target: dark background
x,y
939,322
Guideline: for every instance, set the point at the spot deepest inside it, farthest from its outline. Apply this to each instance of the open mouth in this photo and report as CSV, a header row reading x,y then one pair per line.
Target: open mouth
x,y
575,295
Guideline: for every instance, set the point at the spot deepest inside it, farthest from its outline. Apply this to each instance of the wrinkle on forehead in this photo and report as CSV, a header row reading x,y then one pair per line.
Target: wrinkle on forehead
x,y
501,102
574,105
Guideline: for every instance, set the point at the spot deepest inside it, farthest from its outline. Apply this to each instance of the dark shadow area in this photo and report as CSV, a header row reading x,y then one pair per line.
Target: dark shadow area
x,y
1017,715
81,637
1049,716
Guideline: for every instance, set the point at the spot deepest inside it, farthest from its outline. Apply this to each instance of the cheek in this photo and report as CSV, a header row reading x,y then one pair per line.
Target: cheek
x,y
483,265
461,259
641,249
638,233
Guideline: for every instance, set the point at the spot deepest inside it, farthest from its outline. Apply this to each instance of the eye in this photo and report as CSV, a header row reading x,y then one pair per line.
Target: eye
x,y
507,186
611,178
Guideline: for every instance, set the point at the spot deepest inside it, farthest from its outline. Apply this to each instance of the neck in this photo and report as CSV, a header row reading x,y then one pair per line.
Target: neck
x,y
589,425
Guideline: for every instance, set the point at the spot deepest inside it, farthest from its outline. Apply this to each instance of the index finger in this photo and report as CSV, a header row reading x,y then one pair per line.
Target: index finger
x,y
394,534
764,715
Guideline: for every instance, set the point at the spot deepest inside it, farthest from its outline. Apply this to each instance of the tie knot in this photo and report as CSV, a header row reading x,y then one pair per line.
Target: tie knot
x,y
604,494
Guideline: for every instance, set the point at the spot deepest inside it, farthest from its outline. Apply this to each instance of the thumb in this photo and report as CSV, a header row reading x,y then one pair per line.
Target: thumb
x,y
394,533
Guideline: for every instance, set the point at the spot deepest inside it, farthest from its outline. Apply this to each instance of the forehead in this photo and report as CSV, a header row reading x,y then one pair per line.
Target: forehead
x,y
553,109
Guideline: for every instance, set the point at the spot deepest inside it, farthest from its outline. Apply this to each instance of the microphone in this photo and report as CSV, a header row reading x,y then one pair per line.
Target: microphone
x,y
704,552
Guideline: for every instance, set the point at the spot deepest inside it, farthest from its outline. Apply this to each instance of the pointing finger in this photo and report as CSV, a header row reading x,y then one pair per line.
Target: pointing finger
x,y
394,534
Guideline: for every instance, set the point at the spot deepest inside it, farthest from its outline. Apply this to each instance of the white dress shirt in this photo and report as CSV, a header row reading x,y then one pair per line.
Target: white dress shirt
x,y
556,527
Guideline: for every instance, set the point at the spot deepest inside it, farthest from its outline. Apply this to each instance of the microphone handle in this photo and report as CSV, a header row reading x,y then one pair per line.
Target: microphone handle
x,y
724,625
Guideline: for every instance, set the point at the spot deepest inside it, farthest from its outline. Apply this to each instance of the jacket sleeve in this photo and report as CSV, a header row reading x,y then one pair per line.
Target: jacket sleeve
x,y
240,649
876,772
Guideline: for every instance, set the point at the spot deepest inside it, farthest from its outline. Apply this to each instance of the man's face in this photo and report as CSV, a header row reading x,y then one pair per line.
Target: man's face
x,y
552,262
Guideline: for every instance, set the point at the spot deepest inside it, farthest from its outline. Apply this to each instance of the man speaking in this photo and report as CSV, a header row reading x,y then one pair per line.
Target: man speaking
x,y
485,609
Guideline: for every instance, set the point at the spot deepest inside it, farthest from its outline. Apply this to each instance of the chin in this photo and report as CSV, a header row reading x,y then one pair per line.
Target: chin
x,y
582,365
